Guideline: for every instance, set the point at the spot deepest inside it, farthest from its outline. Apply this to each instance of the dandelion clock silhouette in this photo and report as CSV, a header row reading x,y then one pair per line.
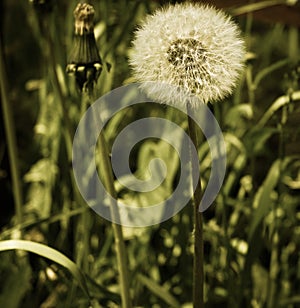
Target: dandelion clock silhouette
x,y
195,48
187,55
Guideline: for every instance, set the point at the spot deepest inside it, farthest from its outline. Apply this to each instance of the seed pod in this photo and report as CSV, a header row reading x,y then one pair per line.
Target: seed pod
x,y
84,62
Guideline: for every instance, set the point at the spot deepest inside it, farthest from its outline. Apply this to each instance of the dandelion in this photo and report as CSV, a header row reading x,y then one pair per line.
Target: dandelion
x,y
182,54
85,62
186,51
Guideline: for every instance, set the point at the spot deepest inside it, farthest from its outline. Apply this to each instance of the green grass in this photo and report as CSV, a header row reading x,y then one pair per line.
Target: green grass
x,y
251,232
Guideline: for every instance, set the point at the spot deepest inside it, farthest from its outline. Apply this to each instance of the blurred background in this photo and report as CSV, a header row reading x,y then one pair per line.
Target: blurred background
x,y
252,231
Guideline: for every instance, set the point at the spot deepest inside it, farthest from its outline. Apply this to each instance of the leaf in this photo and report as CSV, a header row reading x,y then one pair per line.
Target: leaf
x,y
279,103
256,139
49,253
158,290
268,70
239,161
240,111
238,117
262,205
41,176
262,199
252,7
15,282
290,301
260,284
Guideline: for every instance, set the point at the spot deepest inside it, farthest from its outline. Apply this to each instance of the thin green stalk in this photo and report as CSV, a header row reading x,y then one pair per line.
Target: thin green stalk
x,y
108,181
251,97
274,263
274,270
279,103
293,47
85,219
252,7
104,162
250,85
248,28
11,139
268,70
39,221
198,267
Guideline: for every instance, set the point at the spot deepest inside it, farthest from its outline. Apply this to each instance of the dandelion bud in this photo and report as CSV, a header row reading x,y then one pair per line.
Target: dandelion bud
x,y
85,62
187,51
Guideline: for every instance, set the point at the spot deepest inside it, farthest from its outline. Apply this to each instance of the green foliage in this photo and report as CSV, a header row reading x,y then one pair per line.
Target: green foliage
x,y
50,253
251,233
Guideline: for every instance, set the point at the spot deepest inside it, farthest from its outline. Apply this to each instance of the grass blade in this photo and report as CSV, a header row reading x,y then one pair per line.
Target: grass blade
x,y
252,7
262,200
49,253
279,103
158,290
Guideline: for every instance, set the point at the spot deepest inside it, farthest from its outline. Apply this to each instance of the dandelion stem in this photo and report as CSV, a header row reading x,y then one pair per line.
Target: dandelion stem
x,y
11,139
86,55
108,181
198,267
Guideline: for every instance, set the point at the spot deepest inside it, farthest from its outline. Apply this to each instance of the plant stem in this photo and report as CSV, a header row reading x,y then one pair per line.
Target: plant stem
x,y
108,181
252,7
273,289
11,139
198,267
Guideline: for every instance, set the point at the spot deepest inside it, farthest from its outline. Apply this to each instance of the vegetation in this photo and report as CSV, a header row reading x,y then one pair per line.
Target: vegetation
x,y
57,252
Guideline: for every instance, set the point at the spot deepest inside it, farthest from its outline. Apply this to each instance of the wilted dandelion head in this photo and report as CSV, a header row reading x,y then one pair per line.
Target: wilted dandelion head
x,y
85,62
186,51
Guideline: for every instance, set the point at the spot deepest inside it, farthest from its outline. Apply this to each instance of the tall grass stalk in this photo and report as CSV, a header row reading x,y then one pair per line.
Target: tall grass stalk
x,y
274,262
252,7
293,52
11,139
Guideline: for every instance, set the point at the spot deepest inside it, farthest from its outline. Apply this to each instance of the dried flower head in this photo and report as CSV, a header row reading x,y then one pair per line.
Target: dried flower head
x,y
85,62
193,48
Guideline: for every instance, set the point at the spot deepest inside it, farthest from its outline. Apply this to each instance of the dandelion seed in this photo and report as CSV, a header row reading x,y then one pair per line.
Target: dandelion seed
x,y
186,51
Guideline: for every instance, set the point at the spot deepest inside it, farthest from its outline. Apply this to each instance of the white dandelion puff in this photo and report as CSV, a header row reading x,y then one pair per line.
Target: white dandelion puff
x,y
187,51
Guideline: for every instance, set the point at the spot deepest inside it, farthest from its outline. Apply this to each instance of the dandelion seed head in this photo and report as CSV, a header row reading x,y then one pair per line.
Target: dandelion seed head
x,y
185,51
